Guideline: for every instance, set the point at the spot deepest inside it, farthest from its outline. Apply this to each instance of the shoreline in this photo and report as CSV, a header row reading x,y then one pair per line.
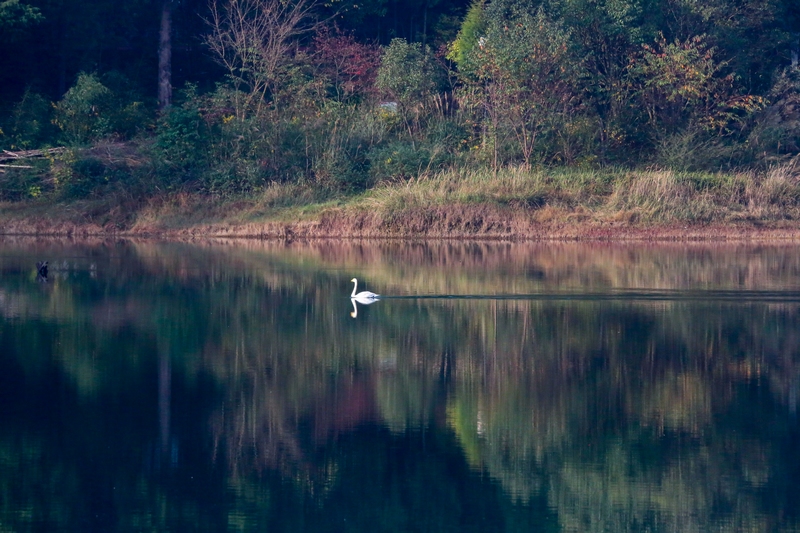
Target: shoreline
x,y
516,204
407,226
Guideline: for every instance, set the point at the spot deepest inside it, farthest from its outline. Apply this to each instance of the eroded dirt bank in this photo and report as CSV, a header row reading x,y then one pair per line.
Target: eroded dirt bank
x,y
449,222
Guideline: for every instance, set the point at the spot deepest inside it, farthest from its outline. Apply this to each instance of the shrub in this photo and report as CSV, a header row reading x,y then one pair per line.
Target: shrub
x,y
30,123
88,175
19,184
349,68
408,72
76,175
403,160
683,84
527,80
128,113
90,110
82,114
182,141
776,132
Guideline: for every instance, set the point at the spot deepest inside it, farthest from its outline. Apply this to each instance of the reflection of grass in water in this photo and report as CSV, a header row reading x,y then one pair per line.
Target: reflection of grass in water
x,y
546,375
501,268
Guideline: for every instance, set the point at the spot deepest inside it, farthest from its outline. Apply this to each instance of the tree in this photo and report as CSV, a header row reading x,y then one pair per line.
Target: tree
x,y
407,72
409,75
165,57
16,17
82,114
606,33
469,36
682,84
348,67
255,40
527,75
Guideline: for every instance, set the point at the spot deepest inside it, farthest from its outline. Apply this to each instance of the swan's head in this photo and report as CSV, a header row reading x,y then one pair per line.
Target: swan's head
x,y
354,280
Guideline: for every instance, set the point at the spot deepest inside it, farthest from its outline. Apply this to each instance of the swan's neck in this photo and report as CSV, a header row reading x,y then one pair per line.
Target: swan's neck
x,y
355,284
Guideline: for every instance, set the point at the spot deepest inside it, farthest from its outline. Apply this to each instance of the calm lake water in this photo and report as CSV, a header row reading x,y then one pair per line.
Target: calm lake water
x,y
150,386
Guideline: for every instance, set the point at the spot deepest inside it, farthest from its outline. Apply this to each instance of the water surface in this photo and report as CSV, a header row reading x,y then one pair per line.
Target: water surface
x,y
497,387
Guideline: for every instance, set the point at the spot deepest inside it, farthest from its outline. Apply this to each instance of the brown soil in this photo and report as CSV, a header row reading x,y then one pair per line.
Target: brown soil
x,y
448,222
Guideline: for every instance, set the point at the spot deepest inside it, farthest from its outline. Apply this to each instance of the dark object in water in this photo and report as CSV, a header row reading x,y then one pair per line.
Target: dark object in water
x,y
41,270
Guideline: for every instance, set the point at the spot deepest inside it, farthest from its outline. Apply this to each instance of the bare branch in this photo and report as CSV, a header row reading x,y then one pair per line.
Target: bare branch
x,y
253,40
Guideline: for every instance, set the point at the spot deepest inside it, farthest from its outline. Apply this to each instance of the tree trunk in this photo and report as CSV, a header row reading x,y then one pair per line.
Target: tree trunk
x,y
165,57
424,29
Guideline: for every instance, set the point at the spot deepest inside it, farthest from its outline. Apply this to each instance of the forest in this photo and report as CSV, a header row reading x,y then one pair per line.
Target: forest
x,y
227,98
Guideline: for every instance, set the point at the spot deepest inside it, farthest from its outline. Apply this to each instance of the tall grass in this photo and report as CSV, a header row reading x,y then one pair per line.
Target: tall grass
x,y
649,196
560,196
662,195
512,186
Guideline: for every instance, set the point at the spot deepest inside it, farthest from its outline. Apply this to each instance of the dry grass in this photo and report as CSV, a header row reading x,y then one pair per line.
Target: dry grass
x,y
660,196
512,187
775,194
516,202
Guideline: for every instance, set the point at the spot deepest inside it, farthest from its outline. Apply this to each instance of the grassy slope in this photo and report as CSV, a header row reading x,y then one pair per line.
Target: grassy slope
x,y
513,203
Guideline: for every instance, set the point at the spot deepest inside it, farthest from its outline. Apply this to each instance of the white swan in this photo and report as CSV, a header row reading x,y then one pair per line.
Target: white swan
x,y
363,296
362,301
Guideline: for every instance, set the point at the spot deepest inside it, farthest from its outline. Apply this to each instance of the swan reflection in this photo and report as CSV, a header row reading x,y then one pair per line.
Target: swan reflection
x,y
362,301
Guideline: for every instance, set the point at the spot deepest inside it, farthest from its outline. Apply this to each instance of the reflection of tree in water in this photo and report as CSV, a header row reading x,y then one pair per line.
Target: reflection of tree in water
x,y
651,428
611,411
622,415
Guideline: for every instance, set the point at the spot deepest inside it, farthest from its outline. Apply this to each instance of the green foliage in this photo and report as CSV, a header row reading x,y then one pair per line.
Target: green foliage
x,y
129,114
694,108
30,123
692,149
754,35
90,110
82,114
776,132
16,17
679,80
574,82
76,175
558,82
473,29
527,80
344,140
399,159
408,72
181,144
88,174
21,184
441,145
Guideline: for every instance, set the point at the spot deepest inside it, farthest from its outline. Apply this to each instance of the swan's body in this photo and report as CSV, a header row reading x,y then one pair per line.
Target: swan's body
x,y
363,297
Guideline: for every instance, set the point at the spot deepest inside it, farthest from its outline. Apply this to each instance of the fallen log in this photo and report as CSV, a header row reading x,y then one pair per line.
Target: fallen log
x,y
8,155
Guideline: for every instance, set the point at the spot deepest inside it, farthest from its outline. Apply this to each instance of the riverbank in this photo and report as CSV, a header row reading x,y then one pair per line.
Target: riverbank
x,y
513,204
